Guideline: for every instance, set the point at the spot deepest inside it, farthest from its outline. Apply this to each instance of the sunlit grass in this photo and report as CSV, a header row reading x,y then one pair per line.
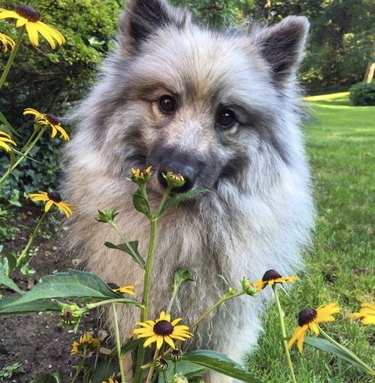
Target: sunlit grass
x,y
341,147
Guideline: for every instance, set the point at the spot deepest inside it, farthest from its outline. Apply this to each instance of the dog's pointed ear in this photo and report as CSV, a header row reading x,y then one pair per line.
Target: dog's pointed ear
x,y
282,46
141,18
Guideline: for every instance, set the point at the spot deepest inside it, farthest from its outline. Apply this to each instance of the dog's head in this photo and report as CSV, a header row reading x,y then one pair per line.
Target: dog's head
x,y
213,106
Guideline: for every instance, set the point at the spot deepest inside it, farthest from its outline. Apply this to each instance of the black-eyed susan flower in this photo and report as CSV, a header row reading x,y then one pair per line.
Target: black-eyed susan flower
x,y
50,120
366,314
52,199
308,319
7,42
6,141
272,277
162,330
30,18
111,380
127,289
141,176
86,342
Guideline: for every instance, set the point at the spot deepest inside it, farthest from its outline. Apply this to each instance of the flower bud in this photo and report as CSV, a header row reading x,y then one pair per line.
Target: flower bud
x,y
179,379
106,216
175,180
70,313
176,355
141,176
248,288
230,291
161,364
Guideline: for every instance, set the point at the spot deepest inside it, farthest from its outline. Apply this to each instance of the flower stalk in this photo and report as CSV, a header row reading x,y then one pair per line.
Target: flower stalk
x,y
12,56
283,333
23,258
118,343
366,368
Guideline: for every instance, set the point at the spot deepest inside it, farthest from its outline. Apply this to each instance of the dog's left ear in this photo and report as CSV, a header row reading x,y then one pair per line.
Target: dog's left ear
x,y
282,46
142,18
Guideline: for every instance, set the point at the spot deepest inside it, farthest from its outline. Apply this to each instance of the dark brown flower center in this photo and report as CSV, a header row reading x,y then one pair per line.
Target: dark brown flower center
x,y
52,119
55,197
113,286
28,13
163,327
306,316
270,274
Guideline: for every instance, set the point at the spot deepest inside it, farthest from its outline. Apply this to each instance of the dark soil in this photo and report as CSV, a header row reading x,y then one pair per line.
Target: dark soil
x,y
36,341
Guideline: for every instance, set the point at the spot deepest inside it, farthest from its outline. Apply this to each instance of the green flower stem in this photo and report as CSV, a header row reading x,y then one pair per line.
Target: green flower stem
x,y
152,367
148,278
283,333
8,125
31,239
118,343
370,371
91,306
223,299
12,56
23,156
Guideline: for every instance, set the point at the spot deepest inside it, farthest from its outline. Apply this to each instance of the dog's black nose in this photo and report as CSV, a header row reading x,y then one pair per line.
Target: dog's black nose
x,y
186,171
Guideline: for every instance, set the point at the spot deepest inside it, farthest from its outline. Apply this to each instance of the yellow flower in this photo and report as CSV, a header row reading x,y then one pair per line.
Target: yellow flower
x,y
7,42
48,119
86,341
52,199
128,289
271,277
141,176
5,140
111,380
308,319
366,314
28,16
162,330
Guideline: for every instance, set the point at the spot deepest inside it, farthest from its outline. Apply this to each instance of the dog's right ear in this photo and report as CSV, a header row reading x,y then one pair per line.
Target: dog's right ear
x,y
142,18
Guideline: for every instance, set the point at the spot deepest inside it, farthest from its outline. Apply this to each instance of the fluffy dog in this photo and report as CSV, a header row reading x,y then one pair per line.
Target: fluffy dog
x,y
221,108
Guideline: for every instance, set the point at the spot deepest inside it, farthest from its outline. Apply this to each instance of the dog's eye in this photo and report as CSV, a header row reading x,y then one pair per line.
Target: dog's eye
x,y
226,118
167,104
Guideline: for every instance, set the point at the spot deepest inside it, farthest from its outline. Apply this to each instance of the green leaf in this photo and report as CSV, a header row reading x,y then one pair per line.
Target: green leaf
x,y
71,284
48,378
326,346
130,345
177,198
218,362
9,305
141,204
105,369
12,261
130,248
181,276
8,282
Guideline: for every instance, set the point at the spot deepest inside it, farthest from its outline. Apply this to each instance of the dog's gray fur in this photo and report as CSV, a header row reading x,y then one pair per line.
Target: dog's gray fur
x,y
258,213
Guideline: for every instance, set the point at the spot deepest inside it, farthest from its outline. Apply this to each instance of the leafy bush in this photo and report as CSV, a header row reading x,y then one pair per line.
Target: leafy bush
x,y
363,93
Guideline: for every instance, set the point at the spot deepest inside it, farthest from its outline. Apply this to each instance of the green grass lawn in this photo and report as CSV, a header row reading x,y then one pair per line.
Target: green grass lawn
x,y
341,147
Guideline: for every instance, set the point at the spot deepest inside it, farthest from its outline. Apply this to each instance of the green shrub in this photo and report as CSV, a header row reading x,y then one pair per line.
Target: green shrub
x,y
363,93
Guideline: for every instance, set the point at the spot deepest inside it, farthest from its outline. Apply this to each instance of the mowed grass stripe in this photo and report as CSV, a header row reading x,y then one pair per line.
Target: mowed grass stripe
x,y
340,143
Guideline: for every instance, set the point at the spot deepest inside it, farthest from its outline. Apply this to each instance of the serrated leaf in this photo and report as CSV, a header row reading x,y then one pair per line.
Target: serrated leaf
x,y
71,284
326,346
130,248
48,378
180,197
8,282
141,204
218,362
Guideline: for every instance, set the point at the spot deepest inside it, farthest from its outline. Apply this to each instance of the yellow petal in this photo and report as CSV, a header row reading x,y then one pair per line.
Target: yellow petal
x,y
48,206
314,327
169,341
159,342
150,340
32,31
